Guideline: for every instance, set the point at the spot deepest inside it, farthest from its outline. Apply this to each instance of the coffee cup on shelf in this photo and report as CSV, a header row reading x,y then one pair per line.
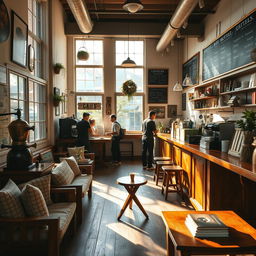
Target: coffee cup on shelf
x,y
132,174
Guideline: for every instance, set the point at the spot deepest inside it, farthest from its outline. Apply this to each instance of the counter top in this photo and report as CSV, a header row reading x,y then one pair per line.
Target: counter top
x,y
223,159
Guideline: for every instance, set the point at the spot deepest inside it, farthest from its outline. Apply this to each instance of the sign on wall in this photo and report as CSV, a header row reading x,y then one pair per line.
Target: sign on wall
x,y
89,106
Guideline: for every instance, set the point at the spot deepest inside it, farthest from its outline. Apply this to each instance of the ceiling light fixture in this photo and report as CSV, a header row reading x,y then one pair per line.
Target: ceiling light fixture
x,y
178,87
187,80
128,63
132,6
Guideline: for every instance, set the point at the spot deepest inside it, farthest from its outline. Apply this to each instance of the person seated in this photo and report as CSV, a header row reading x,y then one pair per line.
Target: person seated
x,y
94,131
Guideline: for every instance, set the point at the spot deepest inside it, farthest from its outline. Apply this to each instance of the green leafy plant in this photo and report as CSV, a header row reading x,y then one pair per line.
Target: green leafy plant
x,y
83,55
248,123
129,88
57,99
57,68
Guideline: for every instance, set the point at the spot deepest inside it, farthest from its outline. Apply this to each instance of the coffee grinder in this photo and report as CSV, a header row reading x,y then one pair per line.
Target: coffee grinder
x,y
19,157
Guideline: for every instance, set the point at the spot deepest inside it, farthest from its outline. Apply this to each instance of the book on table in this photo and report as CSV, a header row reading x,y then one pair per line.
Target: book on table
x,y
206,225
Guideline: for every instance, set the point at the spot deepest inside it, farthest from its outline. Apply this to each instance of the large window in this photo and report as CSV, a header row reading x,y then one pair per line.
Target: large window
x,y
31,100
89,73
35,34
130,112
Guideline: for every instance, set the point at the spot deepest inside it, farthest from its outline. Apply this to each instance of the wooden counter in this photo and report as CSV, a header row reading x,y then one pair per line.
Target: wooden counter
x,y
213,180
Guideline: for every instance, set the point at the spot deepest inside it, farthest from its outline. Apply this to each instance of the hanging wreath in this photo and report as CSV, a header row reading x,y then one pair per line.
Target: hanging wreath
x,y
129,88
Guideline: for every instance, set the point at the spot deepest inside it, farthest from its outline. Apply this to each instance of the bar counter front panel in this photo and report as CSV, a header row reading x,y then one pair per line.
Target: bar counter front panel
x,y
213,180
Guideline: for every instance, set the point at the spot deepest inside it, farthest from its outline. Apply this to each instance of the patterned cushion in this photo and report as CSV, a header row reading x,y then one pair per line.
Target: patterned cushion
x,y
73,165
10,204
62,174
33,201
77,152
84,180
44,184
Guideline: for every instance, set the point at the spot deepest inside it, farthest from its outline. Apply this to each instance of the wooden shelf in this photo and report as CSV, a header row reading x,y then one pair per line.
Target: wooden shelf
x,y
226,107
204,98
238,91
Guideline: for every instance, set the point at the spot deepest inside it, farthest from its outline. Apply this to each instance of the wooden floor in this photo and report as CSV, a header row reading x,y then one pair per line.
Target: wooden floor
x,y
101,233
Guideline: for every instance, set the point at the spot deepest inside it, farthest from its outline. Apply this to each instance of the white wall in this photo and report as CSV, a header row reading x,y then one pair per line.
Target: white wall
x,y
228,12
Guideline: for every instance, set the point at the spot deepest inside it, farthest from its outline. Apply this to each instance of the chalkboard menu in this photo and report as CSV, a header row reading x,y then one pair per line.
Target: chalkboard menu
x,y
191,68
231,50
158,76
158,95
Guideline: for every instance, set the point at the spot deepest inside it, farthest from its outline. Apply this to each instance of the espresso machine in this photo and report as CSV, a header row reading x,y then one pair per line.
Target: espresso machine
x,y
214,133
19,157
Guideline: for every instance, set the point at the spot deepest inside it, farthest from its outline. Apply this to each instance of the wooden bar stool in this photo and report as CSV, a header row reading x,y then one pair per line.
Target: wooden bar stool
x,y
159,174
171,171
162,158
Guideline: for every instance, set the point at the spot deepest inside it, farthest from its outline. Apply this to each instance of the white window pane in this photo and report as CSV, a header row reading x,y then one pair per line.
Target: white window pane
x,y
130,112
124,74
31,91
31,134
14,86
37,131
42,130
22,88
31,112
36,112
89,80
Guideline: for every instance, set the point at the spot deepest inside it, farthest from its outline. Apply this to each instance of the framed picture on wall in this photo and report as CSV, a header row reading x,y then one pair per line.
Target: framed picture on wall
x,y
160,111
172,111
3,75
19,40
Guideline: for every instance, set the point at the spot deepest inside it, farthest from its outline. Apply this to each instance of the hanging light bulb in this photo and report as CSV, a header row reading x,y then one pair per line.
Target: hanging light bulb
x,y
187,81
177,87
132,6
128,63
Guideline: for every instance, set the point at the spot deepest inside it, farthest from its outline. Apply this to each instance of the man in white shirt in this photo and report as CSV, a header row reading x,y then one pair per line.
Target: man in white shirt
x,y
115,146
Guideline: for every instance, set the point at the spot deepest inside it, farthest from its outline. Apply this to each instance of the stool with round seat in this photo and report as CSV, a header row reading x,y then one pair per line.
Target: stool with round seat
x,y
162,158
171,171
159,174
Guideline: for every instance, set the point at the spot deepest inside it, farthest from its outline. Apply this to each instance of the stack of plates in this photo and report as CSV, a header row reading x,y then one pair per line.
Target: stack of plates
x,y
206,225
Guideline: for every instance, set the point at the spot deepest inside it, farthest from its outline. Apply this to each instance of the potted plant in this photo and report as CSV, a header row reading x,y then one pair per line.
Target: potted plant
x,y
248,125
57,68
57,99
129,88
82,54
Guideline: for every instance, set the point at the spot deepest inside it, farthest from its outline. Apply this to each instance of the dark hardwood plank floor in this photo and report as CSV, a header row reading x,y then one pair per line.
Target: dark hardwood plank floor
x,y
101,233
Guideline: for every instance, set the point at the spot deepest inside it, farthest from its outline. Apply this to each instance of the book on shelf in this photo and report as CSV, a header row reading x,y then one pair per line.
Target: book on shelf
x,y
206,225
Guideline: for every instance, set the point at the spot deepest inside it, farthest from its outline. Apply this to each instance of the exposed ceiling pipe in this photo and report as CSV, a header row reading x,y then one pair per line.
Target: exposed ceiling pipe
x,y
180,15
81,14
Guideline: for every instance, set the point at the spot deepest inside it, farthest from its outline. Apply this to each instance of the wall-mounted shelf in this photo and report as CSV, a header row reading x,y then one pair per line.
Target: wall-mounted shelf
x,y
239,91
204,98
225,107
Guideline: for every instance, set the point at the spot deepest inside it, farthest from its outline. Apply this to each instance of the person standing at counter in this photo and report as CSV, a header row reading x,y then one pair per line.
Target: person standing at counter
x,y
115,145
84,130
148,132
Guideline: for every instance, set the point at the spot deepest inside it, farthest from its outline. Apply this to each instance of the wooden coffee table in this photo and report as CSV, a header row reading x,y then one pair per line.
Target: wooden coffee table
x,y
132,188
178,238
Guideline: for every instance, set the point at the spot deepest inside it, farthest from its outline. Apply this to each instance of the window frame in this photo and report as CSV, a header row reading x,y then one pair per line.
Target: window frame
x,y
143,86
102,93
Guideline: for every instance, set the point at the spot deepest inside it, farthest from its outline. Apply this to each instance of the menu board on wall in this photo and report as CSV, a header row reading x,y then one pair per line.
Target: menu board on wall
x,y
231,50
191,68
158,95
158,76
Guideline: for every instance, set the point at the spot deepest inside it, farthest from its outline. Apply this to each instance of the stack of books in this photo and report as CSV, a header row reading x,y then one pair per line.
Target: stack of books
x,y
206,225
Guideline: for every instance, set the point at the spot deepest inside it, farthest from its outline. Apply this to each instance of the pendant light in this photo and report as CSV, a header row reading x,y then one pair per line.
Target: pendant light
x,y
128,63
178,87
133,6
187,80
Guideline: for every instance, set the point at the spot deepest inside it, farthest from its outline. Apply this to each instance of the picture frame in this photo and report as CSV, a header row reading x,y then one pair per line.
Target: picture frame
x,y
160,111
5,24
158,95
31,58
172,111
19,41
191,68
158,76
3,75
